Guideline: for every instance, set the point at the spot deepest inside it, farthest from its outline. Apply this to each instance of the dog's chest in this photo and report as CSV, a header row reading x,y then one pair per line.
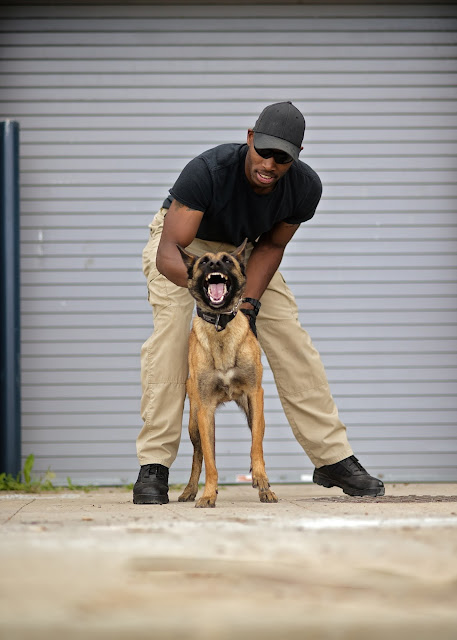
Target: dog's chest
x,y
222,366
224,355
227,377
232,383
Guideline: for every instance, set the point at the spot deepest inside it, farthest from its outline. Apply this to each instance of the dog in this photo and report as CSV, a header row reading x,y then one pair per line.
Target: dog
x,y
224,364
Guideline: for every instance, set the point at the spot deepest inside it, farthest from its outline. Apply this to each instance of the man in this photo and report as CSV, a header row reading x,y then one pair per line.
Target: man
x,y
262,192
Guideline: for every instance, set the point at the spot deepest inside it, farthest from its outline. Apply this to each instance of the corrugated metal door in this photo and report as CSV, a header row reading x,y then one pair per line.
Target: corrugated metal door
x,y
114,100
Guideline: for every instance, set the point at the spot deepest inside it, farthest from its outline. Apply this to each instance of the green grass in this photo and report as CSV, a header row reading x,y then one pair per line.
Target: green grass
x,y
25,483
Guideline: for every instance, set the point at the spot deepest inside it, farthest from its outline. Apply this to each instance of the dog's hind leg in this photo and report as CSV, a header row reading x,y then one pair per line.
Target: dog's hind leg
x,y
256,421
189,493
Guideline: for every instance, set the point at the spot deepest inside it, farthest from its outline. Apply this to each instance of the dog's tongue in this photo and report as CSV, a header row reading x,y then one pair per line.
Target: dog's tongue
x,y
216,291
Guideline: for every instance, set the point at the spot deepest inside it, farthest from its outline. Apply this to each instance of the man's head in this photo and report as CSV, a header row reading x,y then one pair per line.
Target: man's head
x,y
274,143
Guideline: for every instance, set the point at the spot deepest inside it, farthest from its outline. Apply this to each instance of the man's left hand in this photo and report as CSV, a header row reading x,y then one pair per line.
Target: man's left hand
x,y
251,316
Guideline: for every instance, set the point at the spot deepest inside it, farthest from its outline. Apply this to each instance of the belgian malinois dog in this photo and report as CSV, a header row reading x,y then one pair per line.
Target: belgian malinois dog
x,y
224,364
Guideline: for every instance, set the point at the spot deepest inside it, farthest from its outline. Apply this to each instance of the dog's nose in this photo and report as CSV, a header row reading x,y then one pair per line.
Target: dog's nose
x,y
212,264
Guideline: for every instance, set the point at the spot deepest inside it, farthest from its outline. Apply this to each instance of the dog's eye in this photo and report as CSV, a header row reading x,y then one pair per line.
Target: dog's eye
x,y
227,260
204,260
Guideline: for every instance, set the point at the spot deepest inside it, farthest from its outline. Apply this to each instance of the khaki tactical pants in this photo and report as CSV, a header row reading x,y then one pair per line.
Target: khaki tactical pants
x,y
297,368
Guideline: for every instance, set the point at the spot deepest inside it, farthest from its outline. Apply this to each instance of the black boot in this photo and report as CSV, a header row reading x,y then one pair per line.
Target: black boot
x,y
350,476
152,485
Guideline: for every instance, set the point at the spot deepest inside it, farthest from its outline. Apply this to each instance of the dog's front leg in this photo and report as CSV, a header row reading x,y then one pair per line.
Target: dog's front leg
x,y
189,493
206,428
257,424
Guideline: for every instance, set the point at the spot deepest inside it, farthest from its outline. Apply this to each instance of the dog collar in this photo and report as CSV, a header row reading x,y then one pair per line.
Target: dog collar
x,y
220,320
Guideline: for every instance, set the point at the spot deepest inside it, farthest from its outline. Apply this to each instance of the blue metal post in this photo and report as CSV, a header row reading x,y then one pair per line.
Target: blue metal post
x,y
10,401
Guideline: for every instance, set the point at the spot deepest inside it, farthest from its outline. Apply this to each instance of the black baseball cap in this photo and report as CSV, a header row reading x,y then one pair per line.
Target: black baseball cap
x,y
280,126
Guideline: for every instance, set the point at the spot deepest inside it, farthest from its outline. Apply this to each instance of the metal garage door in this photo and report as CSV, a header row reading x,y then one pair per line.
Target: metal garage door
x,y
114,100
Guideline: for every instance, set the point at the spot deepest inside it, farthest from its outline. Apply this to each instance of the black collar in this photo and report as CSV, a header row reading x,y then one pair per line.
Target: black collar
x,y
220,320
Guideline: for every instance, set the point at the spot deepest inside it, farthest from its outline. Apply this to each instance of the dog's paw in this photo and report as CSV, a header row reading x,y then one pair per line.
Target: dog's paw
x,y
205,503
267,496
188,495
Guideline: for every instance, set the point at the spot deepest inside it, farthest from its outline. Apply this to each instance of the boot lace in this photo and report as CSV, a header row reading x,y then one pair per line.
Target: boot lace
x,y
157,470
357,464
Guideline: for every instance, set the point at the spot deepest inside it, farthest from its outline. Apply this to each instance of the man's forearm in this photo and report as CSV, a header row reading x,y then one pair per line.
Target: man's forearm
x,y
170,264
262,265
180,226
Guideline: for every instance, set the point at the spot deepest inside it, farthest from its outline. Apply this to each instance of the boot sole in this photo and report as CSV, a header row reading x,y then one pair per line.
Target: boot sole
x,y
372,493
150,499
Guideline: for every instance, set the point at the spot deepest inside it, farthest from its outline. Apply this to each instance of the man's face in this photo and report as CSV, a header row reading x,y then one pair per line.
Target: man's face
x,y
262,173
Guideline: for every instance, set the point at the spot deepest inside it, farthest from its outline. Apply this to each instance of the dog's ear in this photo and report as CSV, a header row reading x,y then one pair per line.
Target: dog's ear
x,y
239,254
187,257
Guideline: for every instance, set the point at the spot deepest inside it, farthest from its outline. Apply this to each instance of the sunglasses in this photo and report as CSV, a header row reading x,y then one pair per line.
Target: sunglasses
x,y
280,157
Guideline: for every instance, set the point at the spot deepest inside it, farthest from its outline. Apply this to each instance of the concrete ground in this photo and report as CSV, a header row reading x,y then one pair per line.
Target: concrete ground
x,y
315,565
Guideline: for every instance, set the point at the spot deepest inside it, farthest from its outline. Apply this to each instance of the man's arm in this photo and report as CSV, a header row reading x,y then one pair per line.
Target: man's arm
x,y
266,258
180,227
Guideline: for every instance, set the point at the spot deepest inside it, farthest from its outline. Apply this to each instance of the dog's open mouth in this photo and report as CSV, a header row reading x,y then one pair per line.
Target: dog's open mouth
x,y
217,287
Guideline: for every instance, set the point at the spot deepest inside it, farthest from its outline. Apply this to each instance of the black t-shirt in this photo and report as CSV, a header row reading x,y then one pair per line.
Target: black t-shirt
x,y
215,183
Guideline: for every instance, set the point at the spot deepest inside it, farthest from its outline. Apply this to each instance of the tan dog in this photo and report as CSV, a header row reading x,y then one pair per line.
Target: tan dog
x,y
224,364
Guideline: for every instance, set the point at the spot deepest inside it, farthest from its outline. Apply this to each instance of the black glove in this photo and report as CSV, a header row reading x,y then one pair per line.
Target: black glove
x,y
251,316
